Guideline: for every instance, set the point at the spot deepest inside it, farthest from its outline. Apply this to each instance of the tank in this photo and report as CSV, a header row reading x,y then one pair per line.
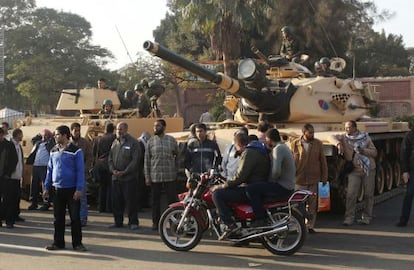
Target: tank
x,y
86,104
288,95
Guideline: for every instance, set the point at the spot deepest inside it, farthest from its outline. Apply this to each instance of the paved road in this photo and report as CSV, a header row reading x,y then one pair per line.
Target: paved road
x,y
380,245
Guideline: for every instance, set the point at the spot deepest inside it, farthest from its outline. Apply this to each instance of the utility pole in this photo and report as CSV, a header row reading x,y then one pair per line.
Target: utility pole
x,y
1,56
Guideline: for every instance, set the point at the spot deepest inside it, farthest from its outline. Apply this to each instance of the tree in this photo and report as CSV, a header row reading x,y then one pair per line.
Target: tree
x,y
14,12
381,55
51,51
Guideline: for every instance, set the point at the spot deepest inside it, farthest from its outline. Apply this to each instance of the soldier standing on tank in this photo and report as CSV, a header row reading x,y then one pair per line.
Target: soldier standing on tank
x,y
102,84
325,64
292,47
130,100
358,147
143,103
107,108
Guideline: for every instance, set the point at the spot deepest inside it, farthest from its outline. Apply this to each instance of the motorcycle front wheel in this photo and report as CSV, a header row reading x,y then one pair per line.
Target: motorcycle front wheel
x,y
287,242
180,240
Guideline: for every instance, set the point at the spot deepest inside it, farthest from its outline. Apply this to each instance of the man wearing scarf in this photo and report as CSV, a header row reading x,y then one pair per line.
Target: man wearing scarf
x,y
355,141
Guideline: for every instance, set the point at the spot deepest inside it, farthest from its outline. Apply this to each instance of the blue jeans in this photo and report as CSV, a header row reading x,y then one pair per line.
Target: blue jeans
x,y
408,200
257,191
227,195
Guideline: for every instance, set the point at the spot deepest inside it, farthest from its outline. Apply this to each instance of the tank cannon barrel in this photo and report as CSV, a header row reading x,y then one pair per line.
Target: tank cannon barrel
x,y
180,61
258,101
221,80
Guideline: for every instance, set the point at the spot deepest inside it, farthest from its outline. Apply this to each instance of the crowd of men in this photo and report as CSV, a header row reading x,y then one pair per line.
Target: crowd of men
x,y
255,166
130,171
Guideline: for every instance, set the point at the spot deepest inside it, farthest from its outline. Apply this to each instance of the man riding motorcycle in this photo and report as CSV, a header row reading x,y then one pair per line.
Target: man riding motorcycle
x,y
281,182
254,167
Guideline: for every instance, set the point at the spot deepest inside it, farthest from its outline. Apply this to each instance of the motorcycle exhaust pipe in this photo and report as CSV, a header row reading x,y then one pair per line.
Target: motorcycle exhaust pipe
x,y
278,229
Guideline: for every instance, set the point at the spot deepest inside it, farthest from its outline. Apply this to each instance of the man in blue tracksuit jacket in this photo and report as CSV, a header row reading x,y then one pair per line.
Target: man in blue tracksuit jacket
x,y
65,172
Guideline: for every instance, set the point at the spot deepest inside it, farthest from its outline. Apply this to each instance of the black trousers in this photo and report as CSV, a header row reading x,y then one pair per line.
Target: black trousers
x,y
9,199
63,200
156,188
105,191
125,197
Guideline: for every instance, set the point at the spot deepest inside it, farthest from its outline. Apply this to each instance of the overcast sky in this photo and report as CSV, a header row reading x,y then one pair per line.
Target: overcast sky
x,y
136,19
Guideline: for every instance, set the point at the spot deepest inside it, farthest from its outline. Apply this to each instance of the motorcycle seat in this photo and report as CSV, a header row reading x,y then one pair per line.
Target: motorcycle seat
x,y
273,197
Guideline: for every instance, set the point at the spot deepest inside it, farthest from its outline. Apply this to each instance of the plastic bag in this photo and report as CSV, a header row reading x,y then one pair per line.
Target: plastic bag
x,y
324,197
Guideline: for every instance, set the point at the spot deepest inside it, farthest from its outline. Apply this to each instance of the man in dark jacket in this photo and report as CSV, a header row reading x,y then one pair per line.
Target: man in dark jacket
x,y
202,154
254,167
8,162
123,161
103,176
407,168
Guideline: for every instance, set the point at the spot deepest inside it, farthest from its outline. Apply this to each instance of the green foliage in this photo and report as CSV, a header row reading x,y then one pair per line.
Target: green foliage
x,y
49,51
406,118
338,28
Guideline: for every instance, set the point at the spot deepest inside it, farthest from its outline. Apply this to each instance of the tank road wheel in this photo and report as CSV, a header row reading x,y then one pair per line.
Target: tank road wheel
x,y
396,169
288,242
180,240
379,180
388,175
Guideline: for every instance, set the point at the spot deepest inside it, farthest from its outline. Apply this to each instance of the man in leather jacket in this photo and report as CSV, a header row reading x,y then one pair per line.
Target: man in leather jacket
x,y
254,167
202,154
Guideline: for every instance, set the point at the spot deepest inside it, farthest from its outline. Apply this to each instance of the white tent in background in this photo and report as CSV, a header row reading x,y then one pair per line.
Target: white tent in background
x,y
10,115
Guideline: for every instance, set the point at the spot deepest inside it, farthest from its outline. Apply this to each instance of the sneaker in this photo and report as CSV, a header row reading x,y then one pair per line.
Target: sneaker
x,y
9,225
32,207
20,219
80,247
113,226
401,224
54,247
311,231
230,229
44,207
133,227
347,223
363,221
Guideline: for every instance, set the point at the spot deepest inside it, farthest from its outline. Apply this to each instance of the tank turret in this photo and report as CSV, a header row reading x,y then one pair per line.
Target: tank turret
x,y
277,90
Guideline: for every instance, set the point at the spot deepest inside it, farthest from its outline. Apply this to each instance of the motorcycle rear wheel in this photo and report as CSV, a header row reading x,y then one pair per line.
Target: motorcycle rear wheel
x,y
288,242
189,235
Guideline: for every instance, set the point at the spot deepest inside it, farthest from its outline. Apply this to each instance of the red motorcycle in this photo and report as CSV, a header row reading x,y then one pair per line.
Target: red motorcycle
x,y
182,225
